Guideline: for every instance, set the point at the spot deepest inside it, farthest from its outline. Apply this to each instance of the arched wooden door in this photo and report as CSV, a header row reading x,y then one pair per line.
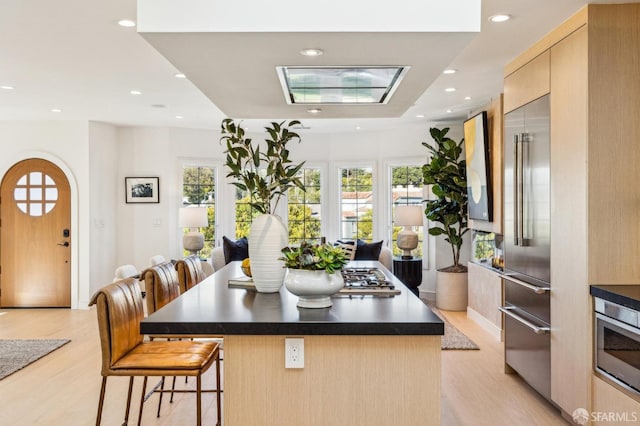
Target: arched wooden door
x,y
35,243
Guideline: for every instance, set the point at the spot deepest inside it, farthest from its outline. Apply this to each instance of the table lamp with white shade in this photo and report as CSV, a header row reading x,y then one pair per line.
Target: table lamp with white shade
x,y
407,239
193,217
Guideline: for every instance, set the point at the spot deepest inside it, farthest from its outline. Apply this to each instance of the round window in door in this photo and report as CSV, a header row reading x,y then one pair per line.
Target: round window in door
x,y
35,194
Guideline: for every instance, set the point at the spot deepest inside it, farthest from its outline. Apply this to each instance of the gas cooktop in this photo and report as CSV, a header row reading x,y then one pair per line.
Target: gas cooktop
x,y
367,281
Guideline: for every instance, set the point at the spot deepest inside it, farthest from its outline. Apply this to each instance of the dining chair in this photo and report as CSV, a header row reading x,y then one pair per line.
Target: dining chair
x,y
126,353
207,268
157,259
125,271
190,272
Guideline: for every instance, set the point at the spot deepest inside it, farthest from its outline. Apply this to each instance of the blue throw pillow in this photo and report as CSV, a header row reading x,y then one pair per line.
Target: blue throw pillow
x,y
368,251
235,250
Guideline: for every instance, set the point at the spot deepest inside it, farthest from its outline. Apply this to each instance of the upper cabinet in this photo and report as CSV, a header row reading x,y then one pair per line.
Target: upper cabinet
x,y
527,83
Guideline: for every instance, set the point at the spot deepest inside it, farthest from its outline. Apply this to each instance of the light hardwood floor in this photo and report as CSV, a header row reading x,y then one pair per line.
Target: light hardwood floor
x,y
62,388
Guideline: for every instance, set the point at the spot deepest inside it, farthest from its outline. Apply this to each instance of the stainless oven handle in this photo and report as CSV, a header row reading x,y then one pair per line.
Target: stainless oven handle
x,y
534,288
538,330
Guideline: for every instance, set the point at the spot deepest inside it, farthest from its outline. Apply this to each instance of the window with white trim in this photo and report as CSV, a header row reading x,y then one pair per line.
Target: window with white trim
x,y
198,189
356,203
304,209
406,189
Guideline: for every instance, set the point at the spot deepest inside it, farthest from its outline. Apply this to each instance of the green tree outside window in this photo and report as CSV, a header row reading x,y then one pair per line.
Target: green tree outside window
x,y
356,203
406,189
198,189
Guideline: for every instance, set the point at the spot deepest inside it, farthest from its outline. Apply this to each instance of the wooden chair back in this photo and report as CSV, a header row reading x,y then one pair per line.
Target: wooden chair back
x,y
190,272
120,311
161,284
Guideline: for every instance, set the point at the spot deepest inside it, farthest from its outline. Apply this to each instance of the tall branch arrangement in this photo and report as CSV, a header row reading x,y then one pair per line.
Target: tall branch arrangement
x,y
268,173
446,172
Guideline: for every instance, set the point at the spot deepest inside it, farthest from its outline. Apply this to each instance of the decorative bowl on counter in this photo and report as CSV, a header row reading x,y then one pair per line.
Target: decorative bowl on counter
x,y
313,288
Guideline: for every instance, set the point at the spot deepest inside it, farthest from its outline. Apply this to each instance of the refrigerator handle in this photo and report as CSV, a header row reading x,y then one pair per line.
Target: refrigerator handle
x,y
521,187
525,138
516,191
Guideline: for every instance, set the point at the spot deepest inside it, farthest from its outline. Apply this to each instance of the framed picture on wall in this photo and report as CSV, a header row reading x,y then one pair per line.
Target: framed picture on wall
x,y
476,145
142,189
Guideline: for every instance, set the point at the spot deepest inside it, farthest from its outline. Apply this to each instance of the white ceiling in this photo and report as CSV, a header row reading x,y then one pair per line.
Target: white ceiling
x,y
72,55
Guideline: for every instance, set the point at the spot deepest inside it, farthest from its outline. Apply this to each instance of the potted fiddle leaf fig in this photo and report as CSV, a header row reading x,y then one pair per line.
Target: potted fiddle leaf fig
x,y
446,173
266,172
314,273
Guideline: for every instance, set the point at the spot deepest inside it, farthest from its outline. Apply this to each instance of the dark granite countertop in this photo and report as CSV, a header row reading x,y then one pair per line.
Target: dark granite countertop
x,y
625,295
212,307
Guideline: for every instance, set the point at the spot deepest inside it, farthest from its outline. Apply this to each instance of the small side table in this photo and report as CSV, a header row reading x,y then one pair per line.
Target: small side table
x,y
409,271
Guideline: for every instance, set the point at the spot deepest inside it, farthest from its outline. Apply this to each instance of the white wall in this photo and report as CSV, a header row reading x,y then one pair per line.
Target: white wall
x,y
104,183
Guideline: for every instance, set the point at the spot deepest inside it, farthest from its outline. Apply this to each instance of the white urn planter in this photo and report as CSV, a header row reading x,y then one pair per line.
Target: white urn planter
x,y
267,236
313,288
451,291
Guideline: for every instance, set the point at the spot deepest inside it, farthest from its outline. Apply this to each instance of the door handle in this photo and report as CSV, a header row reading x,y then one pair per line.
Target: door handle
x,y
65,244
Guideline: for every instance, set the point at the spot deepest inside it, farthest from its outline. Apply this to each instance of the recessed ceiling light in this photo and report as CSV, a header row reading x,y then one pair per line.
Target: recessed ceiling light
x,y
126,23
499,18
357,127
467,98
449,111
179,117
135,92
311,52
420,116
56,109
180,75
314,110
449,71
7,87
450,89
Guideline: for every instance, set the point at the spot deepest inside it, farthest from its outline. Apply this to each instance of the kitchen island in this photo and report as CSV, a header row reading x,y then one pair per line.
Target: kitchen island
x,y
367,360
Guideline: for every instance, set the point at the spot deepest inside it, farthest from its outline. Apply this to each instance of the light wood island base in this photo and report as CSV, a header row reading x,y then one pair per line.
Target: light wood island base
x,y
346,380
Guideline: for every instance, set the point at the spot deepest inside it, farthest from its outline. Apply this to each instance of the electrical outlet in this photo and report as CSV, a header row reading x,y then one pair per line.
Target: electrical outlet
x,y
294,352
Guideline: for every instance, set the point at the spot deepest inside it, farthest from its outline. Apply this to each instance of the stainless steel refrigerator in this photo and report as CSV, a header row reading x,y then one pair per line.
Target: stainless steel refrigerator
x,y
526,275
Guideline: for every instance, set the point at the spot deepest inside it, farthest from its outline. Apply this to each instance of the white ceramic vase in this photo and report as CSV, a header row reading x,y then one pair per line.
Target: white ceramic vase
x,y
313,288
267,237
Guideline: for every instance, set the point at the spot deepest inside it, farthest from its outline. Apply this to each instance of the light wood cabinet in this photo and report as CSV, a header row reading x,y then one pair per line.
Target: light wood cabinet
x,y
570,307
595,219
485,296
527,83
607,399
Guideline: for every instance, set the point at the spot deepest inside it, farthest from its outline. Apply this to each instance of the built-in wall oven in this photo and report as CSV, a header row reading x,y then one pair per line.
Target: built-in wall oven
x,y
617,343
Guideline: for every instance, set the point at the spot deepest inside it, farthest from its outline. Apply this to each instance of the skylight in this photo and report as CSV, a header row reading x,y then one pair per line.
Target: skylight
x,y
340,85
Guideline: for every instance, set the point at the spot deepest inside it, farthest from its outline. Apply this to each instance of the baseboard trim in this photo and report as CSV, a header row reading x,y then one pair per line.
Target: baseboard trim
x,y
487,325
